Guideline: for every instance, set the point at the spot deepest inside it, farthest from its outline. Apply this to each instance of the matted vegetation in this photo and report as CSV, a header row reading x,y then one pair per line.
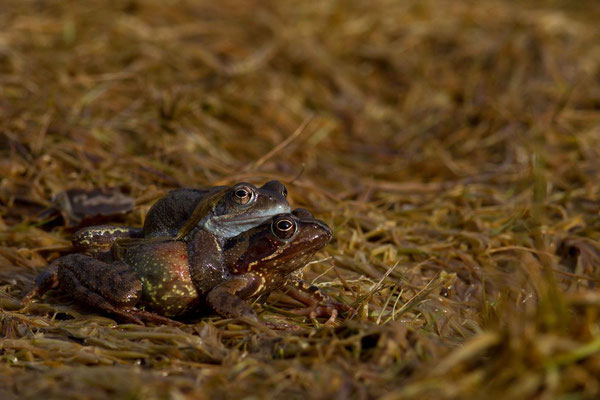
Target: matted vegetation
x,y
453,146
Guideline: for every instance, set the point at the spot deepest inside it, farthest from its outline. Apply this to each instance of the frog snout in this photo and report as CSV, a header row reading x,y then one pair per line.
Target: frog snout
x,y
280,208
325,229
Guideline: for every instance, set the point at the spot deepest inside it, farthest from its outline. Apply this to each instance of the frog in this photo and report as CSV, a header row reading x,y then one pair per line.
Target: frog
x,y
160,281
225,211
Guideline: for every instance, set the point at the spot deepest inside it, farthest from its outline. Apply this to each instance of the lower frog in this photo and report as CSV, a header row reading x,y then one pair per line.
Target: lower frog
x,y
222,210
172,278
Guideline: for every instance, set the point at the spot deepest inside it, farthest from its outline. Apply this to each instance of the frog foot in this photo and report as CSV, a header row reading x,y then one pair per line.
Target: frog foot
x,y
137,316
272,325
281,326
318,302
329,309
45,281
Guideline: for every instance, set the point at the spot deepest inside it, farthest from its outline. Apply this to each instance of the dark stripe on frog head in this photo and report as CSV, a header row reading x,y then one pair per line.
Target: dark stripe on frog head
x,y
201,211
234,209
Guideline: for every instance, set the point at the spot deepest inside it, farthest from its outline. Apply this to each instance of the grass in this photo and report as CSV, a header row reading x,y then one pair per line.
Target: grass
x,y
452,147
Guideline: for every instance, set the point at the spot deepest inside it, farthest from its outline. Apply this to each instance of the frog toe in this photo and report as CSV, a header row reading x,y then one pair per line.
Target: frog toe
x,y
330,309
318,311
127,316
281,326
142,315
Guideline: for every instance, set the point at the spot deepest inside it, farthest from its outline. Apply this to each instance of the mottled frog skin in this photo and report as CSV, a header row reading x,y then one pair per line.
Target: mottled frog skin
x,y
224,211
171,278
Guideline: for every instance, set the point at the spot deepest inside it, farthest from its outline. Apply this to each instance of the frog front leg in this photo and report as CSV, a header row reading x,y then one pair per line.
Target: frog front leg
x,y
226,298
318,302
112,288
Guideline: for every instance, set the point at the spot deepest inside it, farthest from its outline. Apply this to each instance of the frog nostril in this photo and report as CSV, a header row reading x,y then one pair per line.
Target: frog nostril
x,y
324,227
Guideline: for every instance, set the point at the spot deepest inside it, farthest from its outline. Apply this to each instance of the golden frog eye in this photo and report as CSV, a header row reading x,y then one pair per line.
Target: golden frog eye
x,y
243,195
284,191
284,228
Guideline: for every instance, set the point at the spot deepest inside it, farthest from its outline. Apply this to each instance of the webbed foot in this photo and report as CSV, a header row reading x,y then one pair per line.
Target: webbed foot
x,y
319,303
137,316
46,280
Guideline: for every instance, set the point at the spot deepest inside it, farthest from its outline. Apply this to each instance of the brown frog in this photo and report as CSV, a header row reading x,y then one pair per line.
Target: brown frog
x,y
175,277
224,211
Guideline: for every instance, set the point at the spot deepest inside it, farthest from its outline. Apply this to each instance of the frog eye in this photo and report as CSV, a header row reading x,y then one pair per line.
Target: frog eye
x,y
243,195
284,228
284,191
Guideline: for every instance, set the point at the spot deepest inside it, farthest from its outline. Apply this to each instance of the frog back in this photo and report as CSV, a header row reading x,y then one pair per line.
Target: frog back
x,y
172,211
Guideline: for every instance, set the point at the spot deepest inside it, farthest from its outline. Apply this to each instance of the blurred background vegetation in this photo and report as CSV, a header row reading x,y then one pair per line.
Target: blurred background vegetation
x,y
453,146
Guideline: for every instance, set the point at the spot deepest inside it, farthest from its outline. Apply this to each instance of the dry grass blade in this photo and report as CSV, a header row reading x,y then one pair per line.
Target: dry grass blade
x,y
257,164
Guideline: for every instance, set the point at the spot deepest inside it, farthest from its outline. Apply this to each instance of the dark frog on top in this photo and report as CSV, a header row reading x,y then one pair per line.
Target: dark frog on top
x,y
174,277
225,211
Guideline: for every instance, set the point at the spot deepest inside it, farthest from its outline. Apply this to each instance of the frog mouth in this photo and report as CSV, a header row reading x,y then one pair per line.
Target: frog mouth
x,y
257,220
229,227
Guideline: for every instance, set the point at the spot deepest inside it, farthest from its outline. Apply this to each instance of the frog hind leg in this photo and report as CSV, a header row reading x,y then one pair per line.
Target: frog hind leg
x,y
318,302
99,238
112,288
82,294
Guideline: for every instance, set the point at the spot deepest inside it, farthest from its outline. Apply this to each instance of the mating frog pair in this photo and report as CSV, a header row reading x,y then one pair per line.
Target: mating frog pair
x,y
218,247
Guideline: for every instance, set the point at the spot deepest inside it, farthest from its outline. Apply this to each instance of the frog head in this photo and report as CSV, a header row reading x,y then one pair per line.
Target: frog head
x,y
279,246
231,210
